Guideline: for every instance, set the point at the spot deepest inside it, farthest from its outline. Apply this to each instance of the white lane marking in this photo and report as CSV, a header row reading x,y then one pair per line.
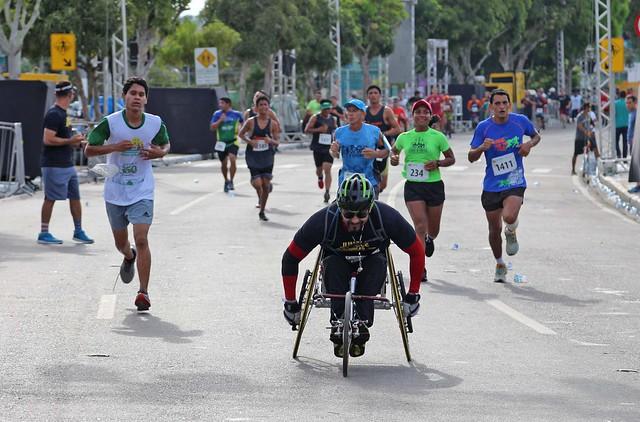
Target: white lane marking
x,y
609,292
107,307
541,170
207,164
391,199
196,201
455,168
586,193
289,166
586,343
615,313
521,318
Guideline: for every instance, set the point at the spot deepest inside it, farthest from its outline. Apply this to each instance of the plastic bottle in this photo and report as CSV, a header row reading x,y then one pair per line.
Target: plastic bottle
x,y
519,278
455,247
509,266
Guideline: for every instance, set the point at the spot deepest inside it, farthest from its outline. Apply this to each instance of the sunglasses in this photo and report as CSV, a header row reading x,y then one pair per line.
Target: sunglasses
x,y
350,214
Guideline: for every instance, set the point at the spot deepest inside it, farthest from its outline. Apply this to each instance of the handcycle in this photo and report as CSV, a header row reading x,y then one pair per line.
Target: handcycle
x,y
313,294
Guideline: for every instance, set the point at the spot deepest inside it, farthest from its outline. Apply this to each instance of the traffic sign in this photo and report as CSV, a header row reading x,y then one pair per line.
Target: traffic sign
x,y
63,51
636,25
206,60
617,53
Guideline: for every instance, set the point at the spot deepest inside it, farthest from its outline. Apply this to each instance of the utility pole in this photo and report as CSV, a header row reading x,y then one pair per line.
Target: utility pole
x,y
120,56
605,89
561,80
334,33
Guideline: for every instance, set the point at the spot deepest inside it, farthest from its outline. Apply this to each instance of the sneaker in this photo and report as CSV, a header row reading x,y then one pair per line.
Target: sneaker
x,y
338,350
501,273
512,242
46,238
363,335
321,183
226,186
336,339
634,189
327,196
262,216
424,276
81,237
142,301
356,350
231,185
128,269
429,247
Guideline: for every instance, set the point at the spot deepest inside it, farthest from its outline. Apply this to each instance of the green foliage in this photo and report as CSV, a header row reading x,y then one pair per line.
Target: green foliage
x,y
620,10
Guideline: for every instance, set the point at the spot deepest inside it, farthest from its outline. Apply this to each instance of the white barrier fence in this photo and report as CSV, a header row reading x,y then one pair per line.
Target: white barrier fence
x,y
12,173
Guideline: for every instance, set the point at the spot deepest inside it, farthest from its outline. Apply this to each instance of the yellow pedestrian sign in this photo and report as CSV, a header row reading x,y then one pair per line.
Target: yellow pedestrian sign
x,y
617,54
206,65
63,51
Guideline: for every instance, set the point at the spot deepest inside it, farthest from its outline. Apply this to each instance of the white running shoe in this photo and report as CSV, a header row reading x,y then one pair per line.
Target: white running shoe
x,y
501,273
512,242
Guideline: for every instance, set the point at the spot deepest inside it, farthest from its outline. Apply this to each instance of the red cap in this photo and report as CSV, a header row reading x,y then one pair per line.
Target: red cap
x,y
421,103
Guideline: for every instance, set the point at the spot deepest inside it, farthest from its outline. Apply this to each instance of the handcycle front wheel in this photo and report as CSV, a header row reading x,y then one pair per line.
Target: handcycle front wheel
x,y
346,332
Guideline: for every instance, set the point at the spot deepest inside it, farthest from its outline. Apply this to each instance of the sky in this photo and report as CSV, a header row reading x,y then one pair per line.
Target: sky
x,y
194,7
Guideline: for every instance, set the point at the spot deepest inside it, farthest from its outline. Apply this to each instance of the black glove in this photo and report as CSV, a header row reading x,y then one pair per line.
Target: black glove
x,y
411,304
292,312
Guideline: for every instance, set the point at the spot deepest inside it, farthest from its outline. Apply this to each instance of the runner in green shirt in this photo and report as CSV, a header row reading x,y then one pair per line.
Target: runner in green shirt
x,y
424,189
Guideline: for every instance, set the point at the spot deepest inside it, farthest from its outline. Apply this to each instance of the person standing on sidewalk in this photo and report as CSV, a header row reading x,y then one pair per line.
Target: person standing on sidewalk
x,y
131,138
58,172
622,121
500,139
634,167
226,123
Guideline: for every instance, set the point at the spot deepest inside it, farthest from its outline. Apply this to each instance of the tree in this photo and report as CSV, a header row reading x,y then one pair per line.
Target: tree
x,y
17,22
369,28
152,21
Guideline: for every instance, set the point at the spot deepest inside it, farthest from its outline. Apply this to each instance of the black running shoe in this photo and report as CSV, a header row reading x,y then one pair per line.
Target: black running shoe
x,y
363,334
356,350
127,268
262,216
429,247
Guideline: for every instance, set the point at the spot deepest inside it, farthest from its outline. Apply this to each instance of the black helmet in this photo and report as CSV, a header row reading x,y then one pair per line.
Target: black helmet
x,y
355,193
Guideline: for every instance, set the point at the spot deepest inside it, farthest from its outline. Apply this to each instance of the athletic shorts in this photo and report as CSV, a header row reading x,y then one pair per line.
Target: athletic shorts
x,y
579,144
320,157
574,113
431,193
230,149
492,201
381,167
120,216
265,173
60,183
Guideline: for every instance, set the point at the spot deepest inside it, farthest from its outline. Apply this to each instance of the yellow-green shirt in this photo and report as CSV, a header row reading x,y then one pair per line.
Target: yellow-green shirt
x,y
420,147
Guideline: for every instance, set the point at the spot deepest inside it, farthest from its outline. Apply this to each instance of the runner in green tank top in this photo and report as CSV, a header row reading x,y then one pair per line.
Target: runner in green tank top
x,y
424,189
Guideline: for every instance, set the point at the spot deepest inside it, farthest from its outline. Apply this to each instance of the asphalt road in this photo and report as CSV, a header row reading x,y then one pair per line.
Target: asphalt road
x,y
564,346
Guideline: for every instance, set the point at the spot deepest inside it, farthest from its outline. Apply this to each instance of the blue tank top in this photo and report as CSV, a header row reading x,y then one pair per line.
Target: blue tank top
x,y
351,145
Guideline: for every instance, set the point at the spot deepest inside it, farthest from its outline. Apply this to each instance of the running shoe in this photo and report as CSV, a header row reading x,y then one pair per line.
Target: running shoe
x,y
262,216
363,334
634,189
501,273
81,237
327,196
320,183
226,186
231,185
336,339
512,242
46,238
429,247
356,350
128,269
424,276
142,301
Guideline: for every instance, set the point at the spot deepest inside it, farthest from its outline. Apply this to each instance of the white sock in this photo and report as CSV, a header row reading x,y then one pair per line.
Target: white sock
x,y
512,227
500,261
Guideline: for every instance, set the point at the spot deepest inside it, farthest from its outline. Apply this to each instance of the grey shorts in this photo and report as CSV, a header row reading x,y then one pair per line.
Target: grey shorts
x,y
60,183
120,216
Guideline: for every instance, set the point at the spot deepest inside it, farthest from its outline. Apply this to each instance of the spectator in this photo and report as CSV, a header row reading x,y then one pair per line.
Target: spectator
x,y
401,115
474,106
576,104
634,168
622,121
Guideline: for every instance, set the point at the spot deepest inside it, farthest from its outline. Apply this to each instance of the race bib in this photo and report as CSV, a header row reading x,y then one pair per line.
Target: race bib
x,y
416,172
220,146
474,108
261,146
539,110
324,139
504,164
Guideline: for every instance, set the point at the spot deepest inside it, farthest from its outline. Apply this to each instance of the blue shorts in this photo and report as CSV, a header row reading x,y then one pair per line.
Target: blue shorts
x,y
120,216
60,183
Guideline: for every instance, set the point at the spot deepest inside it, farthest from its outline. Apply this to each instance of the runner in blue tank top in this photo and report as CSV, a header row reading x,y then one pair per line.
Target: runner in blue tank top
x,y
500,139
357,143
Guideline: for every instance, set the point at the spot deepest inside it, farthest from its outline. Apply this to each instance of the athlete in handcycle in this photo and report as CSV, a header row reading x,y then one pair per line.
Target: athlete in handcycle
x,y
354,234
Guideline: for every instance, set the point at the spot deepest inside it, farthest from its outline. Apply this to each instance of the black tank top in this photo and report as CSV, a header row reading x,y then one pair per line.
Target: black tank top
x,y
264,158
377,119
330,122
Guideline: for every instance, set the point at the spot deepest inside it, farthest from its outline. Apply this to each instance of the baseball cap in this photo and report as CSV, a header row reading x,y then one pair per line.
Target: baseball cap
x,y
356,103
421,103
325,105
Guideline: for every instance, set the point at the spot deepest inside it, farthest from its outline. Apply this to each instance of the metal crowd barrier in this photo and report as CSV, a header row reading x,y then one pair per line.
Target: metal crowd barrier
x,y
12,172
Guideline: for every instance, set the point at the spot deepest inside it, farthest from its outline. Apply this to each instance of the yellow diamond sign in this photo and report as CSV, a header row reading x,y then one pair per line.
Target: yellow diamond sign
x,y
206,58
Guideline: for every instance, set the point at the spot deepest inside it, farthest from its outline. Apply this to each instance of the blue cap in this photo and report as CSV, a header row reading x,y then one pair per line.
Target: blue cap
x,y
356,103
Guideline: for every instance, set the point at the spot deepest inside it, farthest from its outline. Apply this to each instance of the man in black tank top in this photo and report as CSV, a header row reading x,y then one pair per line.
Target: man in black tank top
x,y
383,117
321,126
262,135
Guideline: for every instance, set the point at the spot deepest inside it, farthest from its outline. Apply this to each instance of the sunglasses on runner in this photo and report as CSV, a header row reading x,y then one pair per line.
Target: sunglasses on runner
x,y
350,214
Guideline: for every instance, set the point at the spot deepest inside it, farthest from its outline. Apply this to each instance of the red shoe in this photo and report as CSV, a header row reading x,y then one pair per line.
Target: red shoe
x,y
321,183
142,301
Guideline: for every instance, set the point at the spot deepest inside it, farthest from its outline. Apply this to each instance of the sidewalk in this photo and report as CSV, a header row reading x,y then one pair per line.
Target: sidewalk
x,y
614,190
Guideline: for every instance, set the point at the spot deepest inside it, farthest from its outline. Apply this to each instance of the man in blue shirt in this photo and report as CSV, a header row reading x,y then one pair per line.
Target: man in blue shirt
x,y
500,139
226,123
358,143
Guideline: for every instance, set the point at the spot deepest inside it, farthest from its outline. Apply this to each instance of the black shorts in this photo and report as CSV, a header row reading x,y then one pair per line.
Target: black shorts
x,y
320,157
574,113
431,193
492,201
266,172
380,166
230,149
579,144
